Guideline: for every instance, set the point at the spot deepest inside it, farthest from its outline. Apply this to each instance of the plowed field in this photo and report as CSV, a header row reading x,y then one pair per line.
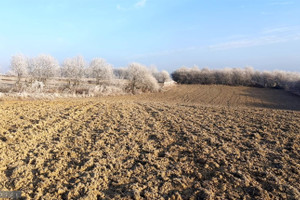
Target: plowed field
x,y
190,142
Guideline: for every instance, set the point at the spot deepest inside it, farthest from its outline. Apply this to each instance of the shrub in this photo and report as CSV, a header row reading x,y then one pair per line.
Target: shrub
x,y
141,79
162,76
101,90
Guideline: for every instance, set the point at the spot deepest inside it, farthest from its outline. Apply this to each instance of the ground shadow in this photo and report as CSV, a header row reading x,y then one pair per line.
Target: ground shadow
x,y
272,98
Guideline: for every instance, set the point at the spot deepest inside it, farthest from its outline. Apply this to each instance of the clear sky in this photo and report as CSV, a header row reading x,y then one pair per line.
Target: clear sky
x,y
264,34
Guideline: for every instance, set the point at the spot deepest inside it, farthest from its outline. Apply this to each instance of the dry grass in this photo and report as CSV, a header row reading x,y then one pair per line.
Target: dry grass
x,y
190,142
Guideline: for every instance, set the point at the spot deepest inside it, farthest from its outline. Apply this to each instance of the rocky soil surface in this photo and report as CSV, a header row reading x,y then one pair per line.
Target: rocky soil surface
x,y
218,144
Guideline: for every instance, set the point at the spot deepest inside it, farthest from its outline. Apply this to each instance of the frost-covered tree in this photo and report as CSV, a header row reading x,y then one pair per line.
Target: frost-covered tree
x,y
121,73
162,76
235,76
100,70
43,67
73,69
19,66
248,73
141,79
165,76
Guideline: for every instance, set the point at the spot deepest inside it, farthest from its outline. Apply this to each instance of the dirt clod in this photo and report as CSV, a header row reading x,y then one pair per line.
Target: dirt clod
x,y
151,147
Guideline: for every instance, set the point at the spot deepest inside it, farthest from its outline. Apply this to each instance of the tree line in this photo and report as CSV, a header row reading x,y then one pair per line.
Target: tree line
x,y
289,81
140,78
75,69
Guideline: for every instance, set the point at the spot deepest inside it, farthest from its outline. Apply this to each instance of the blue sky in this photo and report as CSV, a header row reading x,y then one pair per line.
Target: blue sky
x,y
264,34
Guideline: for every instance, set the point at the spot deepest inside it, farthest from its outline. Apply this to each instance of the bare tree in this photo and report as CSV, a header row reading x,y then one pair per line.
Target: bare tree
x,y
43,67
73,69
141,78
19,66
100,70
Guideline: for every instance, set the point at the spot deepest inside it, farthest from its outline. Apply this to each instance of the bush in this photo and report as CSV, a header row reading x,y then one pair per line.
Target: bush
x,y
141,79
162,76
101,90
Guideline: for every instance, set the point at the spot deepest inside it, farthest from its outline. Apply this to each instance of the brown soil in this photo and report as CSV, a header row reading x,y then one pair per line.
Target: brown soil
x,y
190,142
